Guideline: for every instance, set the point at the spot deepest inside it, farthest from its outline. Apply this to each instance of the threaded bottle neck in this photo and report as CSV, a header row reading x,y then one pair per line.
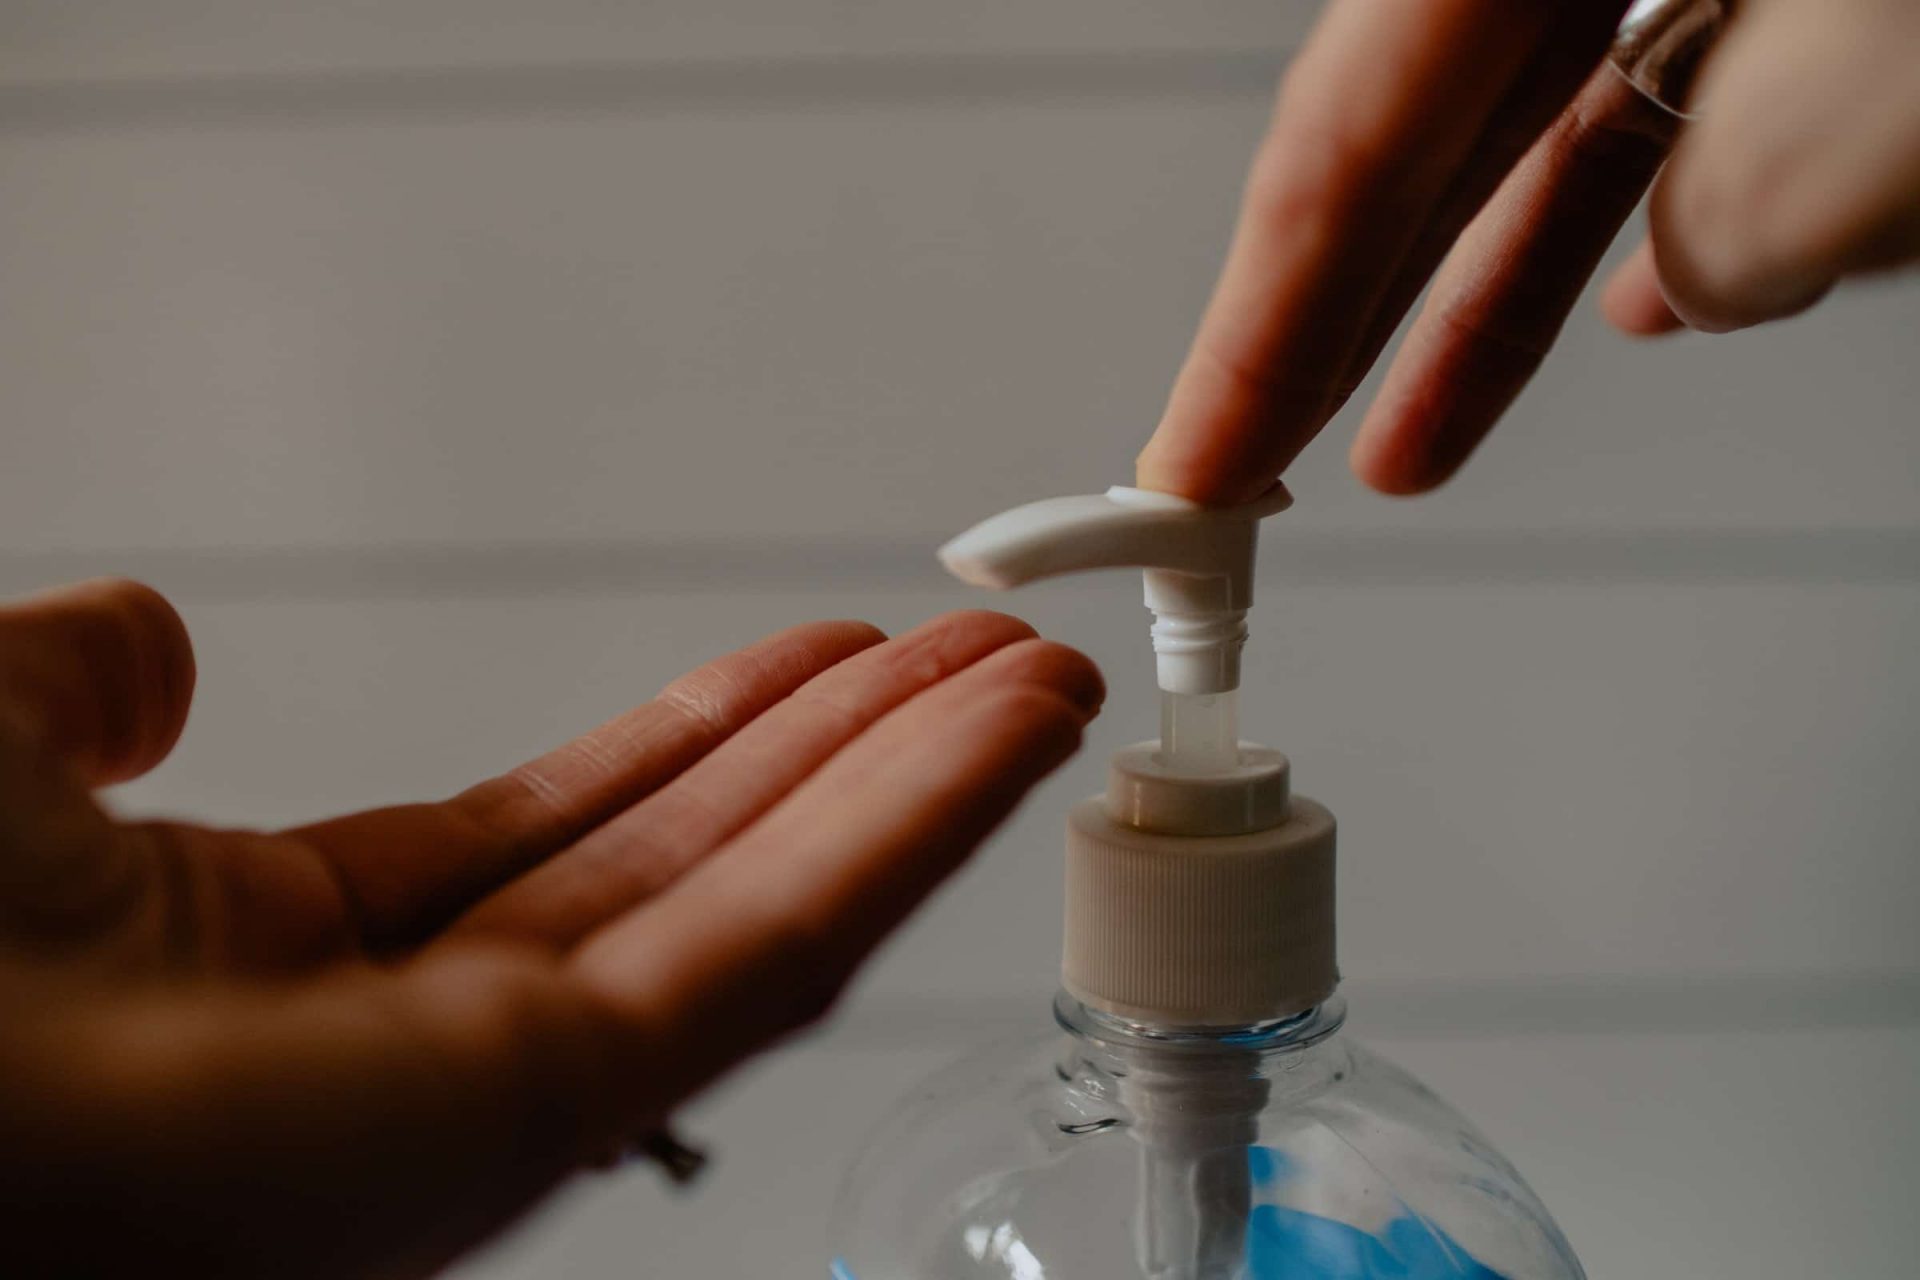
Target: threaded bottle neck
x,y
1292,1034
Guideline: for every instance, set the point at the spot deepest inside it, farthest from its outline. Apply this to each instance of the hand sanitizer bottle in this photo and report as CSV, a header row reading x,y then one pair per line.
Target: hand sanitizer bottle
x,y
1194,1114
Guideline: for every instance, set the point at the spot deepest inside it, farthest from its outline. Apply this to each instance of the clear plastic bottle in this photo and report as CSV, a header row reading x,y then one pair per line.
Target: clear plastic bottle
x,y
1295,1154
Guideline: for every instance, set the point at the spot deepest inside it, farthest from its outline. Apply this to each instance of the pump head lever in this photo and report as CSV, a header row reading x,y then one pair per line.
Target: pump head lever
x,y
1121,528
1198,562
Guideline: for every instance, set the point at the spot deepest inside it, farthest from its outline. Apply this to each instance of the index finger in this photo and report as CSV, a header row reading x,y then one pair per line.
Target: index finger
x,y
1377,120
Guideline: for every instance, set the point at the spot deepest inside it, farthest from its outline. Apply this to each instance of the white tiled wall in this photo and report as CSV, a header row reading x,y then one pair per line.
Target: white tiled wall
x,y
47,40
342,332
465,370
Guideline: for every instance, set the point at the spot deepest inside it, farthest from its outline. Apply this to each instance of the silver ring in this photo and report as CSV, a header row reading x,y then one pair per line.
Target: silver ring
x,y
1662,45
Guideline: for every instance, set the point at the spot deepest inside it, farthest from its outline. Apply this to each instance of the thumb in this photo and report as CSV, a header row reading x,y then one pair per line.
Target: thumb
x,y
375,1123
100,673
1804,168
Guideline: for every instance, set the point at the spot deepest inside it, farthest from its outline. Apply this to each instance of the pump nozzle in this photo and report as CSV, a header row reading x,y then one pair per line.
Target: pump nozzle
x,y
1198,562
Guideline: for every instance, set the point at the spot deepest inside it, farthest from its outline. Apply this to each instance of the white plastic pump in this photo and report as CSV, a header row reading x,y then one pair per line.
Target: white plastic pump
x,y
1199,889
1198,564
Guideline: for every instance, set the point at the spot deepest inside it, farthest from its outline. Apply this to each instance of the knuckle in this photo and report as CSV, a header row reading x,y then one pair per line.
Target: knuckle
x,y
525,791
922,657
1513,350
1300,185
1328,158
1619,137
703,698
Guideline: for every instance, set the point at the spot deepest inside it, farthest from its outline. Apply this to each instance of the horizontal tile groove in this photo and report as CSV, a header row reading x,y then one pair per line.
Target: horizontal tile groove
x,y
1370,559
744,84
1677,1003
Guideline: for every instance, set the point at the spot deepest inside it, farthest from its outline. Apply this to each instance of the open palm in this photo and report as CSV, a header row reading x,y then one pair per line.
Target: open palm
x,y
359,1046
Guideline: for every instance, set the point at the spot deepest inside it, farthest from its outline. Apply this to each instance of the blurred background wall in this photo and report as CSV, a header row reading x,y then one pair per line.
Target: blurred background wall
x,y
466,368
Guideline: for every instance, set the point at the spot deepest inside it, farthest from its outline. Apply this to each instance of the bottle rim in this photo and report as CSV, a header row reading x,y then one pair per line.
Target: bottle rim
x,y
1295,1032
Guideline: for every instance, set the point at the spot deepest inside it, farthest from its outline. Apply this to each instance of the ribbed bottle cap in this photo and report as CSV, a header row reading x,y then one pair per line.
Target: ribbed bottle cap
x,y
1200,930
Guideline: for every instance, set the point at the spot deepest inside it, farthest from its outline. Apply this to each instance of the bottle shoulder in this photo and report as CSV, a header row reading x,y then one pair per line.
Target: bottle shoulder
x,y
1332,1150
1340,1076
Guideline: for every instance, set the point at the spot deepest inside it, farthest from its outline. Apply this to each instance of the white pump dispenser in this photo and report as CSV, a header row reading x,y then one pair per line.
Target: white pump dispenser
x,y
1198,562
1199,889
1199,584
